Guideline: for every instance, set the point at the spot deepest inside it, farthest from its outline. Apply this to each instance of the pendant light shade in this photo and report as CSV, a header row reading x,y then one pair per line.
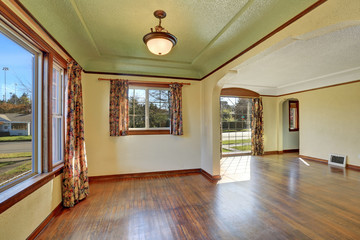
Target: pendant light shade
x,y
159,42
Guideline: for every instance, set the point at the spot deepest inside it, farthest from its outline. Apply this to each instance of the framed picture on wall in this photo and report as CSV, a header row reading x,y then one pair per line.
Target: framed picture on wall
x,y
293,115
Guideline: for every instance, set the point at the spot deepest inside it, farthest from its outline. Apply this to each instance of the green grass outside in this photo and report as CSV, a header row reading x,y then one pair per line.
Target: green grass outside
x,y
3,164
26,166
15,138
226,150
238,148
243,148
15,155
236,130
226,142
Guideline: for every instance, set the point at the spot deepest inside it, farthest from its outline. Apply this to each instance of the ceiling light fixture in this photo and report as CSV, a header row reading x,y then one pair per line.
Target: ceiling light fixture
x,y
161,41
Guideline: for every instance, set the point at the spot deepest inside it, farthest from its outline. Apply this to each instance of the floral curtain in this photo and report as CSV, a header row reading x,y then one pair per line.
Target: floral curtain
x,y
257,128
176,124
75,183
119,108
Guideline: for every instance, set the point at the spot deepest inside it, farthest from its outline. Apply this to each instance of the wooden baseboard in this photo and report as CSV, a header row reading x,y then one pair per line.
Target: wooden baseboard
x,y
290,150
281,152
143,175
53,214
272,152
314,159
211,178
354,167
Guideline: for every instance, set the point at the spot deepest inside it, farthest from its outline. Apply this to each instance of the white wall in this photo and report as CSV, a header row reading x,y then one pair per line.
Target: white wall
x,y
138,153
290,138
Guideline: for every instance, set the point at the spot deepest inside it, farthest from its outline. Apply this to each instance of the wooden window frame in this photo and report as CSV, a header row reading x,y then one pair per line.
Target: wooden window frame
x,y
36,109
56,65
148,131
16,193
297,116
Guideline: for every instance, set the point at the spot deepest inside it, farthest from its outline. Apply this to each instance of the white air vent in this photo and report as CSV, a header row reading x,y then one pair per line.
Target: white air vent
x,y
337,160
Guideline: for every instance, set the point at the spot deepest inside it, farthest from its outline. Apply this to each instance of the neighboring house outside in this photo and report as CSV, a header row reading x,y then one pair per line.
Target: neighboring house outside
x,y
15,124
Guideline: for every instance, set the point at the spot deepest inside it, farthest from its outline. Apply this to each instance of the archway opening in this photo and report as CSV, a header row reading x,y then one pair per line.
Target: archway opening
x,y
235,127
291,126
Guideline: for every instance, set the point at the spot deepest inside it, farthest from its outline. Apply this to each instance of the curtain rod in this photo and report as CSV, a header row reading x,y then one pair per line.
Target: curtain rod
x,y
143,82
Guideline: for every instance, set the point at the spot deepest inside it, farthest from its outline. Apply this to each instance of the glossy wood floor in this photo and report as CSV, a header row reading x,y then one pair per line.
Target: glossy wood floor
x,y
271,197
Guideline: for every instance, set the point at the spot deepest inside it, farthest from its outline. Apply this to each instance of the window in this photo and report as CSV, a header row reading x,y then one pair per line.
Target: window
x,y
149,108
293,116
57,114
20,109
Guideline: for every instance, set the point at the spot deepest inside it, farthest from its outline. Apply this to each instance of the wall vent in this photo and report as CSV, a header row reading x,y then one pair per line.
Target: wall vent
x,y
337,160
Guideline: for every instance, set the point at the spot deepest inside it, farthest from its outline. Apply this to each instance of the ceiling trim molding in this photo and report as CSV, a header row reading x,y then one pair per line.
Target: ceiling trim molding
x,y
301,14
140,75
226,27
78,14
313,89
320,77
146,59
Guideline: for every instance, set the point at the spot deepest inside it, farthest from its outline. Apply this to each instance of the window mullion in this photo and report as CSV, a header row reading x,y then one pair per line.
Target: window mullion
x,y
147,108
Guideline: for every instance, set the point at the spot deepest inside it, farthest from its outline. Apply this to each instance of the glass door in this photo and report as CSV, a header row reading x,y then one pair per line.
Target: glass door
x,y
235,125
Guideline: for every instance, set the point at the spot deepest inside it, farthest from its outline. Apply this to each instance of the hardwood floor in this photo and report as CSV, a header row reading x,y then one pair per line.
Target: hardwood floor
x,y
270,197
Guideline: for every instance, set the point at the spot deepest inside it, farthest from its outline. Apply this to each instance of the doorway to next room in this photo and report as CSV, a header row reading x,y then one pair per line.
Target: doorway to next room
x,y
235,125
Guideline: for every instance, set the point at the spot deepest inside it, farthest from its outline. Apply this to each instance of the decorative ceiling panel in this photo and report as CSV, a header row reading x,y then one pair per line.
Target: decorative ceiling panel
x,y
106,36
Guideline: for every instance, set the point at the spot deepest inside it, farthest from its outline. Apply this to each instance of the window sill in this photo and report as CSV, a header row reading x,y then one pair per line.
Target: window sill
x,y
18,192
149,132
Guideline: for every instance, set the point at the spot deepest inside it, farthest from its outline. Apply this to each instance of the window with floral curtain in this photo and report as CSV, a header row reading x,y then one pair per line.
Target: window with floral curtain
x,y
119,108
75,184
257,128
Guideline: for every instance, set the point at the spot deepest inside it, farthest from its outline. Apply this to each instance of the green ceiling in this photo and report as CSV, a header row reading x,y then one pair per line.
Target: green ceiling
x,y
106,35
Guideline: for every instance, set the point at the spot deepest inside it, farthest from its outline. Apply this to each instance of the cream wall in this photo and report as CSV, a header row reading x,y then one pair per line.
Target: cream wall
x,y
138,153
19,221
271,123
329,122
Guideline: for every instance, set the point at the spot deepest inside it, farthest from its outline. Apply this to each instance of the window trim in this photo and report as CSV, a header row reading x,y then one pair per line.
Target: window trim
x,y
15,194
62,73
11,196
148,131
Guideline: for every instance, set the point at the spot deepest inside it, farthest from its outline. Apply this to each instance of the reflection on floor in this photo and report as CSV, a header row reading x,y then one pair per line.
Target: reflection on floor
x,y
235,169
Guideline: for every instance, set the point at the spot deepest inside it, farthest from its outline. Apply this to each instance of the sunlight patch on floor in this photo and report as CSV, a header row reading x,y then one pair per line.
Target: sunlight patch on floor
x,y
235,169
304,162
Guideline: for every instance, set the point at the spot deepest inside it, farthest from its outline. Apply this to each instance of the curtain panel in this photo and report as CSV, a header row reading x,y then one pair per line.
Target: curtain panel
x,y
119,107
75,183
257,127
176,123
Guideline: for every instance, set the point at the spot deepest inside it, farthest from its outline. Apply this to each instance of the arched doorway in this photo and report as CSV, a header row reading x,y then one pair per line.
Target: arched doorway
x,y
235,121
